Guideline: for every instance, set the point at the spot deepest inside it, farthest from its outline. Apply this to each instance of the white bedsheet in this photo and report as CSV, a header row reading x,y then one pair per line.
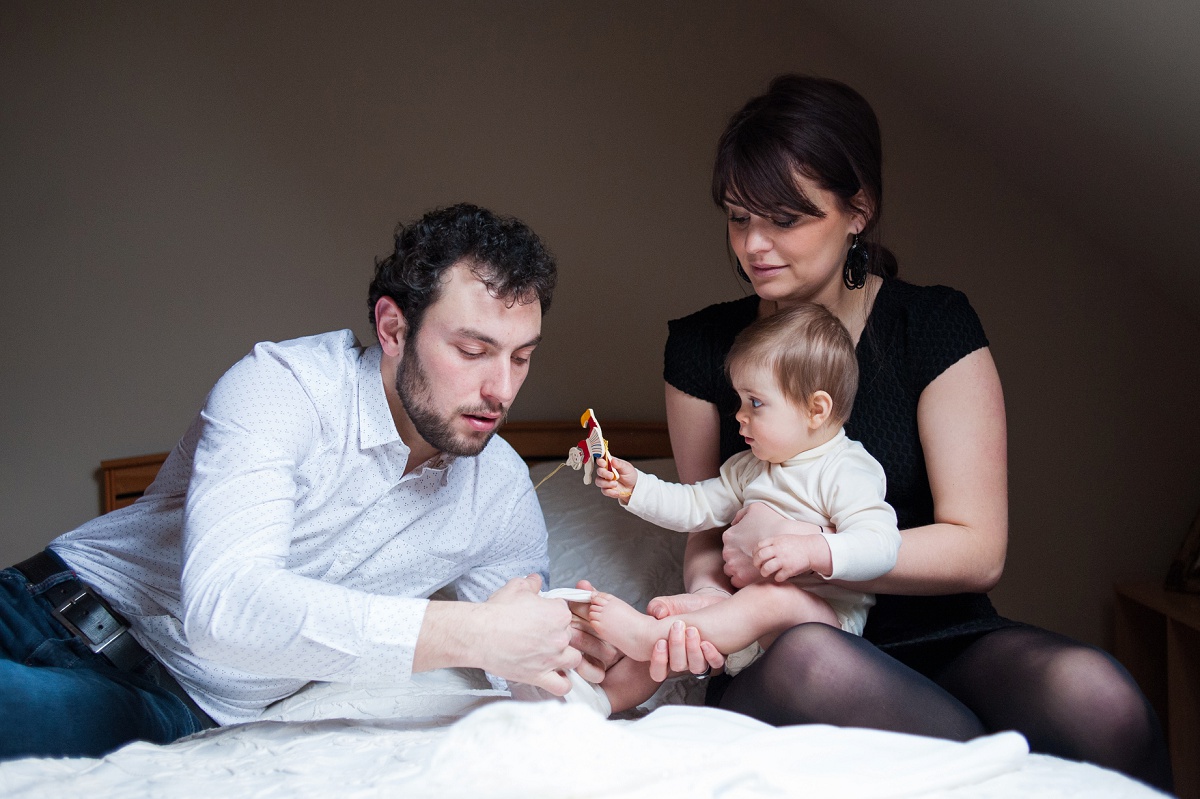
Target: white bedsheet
x,y
518,749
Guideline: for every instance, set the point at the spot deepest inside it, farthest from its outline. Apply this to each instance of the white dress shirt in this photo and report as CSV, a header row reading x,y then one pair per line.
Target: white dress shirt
x,y
282,542
836,484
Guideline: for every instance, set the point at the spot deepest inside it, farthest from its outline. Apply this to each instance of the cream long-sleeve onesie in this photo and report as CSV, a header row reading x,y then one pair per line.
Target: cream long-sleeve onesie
x,y
837,484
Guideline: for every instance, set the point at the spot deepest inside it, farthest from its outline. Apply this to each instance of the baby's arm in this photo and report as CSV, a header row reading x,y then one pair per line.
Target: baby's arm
x,y
685,508
867,540
786,556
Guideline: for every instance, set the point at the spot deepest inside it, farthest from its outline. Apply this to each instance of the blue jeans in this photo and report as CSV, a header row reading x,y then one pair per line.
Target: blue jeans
x,y
58,698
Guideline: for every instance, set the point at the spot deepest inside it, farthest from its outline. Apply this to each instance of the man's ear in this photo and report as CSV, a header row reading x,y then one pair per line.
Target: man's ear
x,y
820,409
390,327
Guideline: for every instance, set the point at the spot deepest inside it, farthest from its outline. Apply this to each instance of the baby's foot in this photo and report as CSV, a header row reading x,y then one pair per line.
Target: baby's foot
x,y
621,625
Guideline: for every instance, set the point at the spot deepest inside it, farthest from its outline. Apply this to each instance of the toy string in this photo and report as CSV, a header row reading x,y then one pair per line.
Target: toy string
x,y
547,477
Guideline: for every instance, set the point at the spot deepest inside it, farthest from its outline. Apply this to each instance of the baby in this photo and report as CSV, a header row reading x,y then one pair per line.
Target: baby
x,y
796,375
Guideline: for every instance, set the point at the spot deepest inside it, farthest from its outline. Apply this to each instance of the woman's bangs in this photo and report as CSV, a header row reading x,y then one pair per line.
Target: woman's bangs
x,y
763,183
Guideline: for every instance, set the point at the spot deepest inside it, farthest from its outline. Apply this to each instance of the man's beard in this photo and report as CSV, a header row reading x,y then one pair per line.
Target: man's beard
x,y
412,384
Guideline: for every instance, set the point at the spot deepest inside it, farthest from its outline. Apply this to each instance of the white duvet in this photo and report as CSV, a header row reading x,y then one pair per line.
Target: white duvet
x,y
503,748
451,734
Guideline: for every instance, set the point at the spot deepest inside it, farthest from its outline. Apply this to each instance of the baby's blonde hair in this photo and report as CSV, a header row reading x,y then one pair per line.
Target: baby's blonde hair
x,y
808,350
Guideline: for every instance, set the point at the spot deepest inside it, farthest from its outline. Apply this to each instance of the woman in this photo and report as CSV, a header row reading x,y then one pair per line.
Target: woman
x,y
799,174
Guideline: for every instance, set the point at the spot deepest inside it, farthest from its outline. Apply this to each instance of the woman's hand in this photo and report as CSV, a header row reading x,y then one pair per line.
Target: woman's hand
x,y
683,651
753,525
662,606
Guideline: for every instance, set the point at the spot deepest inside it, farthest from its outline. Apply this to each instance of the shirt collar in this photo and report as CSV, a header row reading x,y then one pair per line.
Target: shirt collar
x,y
819,451
375,423
376,426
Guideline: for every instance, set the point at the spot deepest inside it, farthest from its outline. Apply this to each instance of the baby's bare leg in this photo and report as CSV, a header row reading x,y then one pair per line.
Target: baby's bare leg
x,y
619,623
756,611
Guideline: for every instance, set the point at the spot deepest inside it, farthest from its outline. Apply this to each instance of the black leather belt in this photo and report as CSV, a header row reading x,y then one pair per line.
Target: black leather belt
x,y
90,618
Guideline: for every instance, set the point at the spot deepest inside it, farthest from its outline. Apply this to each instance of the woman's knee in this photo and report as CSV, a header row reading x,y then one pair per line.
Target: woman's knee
x,y
1092,691
812,652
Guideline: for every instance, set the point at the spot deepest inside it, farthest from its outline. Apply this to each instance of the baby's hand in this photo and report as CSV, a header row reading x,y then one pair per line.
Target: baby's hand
x,y
616,478
783,557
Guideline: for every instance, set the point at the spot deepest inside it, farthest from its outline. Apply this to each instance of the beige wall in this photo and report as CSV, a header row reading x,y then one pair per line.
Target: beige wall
x,y
181,182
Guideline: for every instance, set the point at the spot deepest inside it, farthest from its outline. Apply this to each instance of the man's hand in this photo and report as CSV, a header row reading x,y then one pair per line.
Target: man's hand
x,y
515,634
598,656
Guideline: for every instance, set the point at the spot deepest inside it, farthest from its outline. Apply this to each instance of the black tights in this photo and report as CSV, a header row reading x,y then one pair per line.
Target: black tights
x,y
1066,698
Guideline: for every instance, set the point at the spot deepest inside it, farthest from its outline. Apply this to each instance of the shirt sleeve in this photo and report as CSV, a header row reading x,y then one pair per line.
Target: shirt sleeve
x,y
867,540
690,363
518,543
690,508
946,330
241,605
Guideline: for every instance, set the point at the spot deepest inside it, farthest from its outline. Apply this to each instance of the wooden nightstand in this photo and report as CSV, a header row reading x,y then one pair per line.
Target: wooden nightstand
x,y
1158,640
126,479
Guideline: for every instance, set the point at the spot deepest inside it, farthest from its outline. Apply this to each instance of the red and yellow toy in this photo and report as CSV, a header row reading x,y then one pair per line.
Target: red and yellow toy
x,y
584,454
590,448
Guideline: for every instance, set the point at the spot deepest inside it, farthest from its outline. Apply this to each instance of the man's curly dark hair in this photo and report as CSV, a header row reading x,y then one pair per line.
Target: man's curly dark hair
x,y
502,252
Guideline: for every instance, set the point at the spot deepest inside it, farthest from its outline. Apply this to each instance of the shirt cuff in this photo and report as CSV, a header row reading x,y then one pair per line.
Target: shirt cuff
x,y
392,626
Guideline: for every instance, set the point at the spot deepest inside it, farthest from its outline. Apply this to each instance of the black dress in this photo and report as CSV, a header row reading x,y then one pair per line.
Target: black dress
x,y
914,333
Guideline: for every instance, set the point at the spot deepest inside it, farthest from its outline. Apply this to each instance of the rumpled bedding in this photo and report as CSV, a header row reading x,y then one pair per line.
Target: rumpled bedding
x,y
504,748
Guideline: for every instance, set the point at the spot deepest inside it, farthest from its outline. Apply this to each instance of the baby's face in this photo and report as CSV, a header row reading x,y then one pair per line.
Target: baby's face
x,y
775,428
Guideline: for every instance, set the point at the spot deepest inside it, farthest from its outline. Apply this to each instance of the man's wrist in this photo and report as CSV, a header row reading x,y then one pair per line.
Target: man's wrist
x,y
449,633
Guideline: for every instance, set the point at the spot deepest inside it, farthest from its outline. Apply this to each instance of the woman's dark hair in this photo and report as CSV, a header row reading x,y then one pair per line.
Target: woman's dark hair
x,y
815,127
502,252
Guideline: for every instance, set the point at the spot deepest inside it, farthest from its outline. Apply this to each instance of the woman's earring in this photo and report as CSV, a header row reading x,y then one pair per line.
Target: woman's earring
x,y
854,273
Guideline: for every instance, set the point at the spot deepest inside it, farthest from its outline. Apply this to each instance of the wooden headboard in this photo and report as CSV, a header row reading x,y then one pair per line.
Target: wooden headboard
x,y
126,479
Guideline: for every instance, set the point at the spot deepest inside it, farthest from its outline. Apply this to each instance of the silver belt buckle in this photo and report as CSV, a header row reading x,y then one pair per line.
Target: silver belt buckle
x,y
90,619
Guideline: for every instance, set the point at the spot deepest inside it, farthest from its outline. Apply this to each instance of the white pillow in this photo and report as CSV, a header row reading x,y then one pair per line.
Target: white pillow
x,y
592,537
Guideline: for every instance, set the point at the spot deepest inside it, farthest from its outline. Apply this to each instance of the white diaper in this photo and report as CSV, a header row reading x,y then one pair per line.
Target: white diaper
x,y
582,692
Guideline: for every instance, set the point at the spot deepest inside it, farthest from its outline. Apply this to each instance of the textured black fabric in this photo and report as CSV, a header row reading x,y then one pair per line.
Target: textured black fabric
x,y
914,333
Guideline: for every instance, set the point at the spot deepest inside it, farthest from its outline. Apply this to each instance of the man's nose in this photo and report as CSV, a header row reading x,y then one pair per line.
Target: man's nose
x,y
501,385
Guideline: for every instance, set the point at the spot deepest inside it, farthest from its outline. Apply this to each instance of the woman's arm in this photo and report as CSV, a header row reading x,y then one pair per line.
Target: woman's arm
x,y
694,427
960,416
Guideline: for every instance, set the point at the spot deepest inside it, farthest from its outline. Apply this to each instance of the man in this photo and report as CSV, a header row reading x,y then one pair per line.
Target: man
x,y
322,492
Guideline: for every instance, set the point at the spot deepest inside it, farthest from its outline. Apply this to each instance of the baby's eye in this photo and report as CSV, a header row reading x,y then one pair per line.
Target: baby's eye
x,y
755,403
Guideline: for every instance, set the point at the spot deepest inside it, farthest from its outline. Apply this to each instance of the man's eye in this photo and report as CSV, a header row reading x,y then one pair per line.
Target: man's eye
x,y
519,361
470,354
